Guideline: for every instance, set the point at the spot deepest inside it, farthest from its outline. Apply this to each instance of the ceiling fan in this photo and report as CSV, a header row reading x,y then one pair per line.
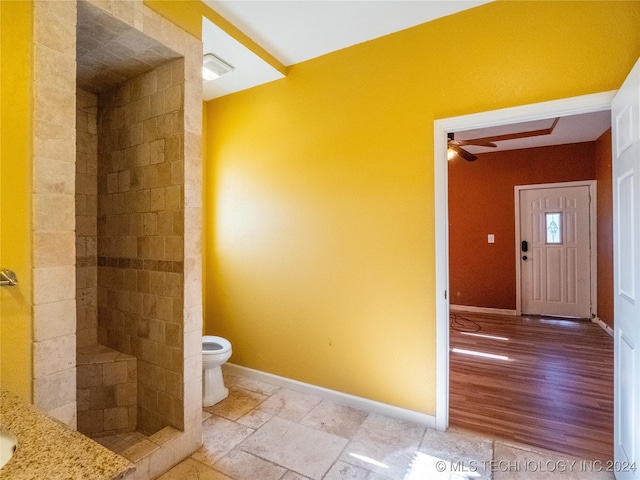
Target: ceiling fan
x,y
455,146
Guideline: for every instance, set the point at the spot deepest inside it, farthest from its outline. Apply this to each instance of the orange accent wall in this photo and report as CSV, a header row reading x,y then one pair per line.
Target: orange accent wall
x,y
605,228
481,202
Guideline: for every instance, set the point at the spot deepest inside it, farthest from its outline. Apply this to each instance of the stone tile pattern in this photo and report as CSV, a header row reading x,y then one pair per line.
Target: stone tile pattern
x,y
140,236
107,391
272,433
53,204
53,209
86,218
153,454
110,51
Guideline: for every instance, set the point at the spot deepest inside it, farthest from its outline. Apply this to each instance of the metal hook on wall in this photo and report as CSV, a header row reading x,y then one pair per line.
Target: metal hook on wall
x,y
8,278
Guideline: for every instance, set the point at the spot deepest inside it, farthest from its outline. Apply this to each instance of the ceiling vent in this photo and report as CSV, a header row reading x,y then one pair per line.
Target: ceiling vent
x,y
214,67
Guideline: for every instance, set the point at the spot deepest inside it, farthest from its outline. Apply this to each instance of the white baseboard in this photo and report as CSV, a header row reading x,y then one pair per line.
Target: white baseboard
x,y
494,311
360,403
603,325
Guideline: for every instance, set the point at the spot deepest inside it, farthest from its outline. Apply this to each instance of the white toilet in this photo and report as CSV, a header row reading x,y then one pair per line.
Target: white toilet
x,y
215,351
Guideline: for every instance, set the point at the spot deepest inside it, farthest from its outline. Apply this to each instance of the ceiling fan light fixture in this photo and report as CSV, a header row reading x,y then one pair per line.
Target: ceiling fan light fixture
x,y
214,67
450,153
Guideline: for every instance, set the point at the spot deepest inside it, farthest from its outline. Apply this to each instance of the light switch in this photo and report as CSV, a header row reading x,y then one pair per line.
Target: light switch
x,y
491,238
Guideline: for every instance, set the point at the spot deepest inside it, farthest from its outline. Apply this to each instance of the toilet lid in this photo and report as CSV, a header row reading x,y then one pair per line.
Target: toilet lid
x,y
212,344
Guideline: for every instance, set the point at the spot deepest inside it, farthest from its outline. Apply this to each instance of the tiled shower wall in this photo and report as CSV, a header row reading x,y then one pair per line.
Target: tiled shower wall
x,y
52,207
140,236
53,214
86,219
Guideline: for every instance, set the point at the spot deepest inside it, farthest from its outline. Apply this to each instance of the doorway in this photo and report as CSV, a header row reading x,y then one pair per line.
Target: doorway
x,y
559,108
555,249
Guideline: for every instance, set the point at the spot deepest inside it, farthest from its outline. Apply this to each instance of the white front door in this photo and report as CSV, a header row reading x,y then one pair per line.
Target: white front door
x,y
626,261
555,250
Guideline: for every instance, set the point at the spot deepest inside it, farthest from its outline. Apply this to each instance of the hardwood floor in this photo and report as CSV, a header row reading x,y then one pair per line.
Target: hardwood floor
x,y
549,385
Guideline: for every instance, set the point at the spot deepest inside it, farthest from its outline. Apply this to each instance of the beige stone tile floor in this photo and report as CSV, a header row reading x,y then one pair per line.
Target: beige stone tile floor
x,y
264,432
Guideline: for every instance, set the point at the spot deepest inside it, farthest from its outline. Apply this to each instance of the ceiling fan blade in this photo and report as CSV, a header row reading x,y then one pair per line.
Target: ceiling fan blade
x,y
469,157
516,135
477,143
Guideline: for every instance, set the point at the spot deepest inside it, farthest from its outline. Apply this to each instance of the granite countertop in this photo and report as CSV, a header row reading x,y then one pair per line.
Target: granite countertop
x,y
48,449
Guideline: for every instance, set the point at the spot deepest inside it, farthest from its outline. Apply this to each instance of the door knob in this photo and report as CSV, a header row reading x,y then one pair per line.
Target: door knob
x,y
524,257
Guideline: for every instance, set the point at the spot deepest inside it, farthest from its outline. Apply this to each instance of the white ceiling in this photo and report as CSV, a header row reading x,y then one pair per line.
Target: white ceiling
x,y
294,31
570,129
249,69
297,30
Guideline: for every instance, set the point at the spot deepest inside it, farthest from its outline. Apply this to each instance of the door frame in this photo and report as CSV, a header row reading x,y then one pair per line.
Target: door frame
x,y
556,108
593,239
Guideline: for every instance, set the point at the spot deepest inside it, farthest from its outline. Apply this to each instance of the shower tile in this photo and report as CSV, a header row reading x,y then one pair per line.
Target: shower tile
x,y
177,72
67,414
193,367
52,319
173,246
54,355
102,397
136,129
57,33
124,181
173,98
52,104
90,421
192,343
83,397
126,394
112,183
156,148
161,461
157,102
173,201
116,418
165,435
54,212
54,391
177,174
141,448
54,68
114,373
143,109
56,177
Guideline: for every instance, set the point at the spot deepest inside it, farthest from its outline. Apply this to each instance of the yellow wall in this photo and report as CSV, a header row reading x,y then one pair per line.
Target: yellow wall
x,y
320,201
15,189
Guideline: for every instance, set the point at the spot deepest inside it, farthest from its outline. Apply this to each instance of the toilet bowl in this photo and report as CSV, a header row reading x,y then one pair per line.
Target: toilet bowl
x,y
215,351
